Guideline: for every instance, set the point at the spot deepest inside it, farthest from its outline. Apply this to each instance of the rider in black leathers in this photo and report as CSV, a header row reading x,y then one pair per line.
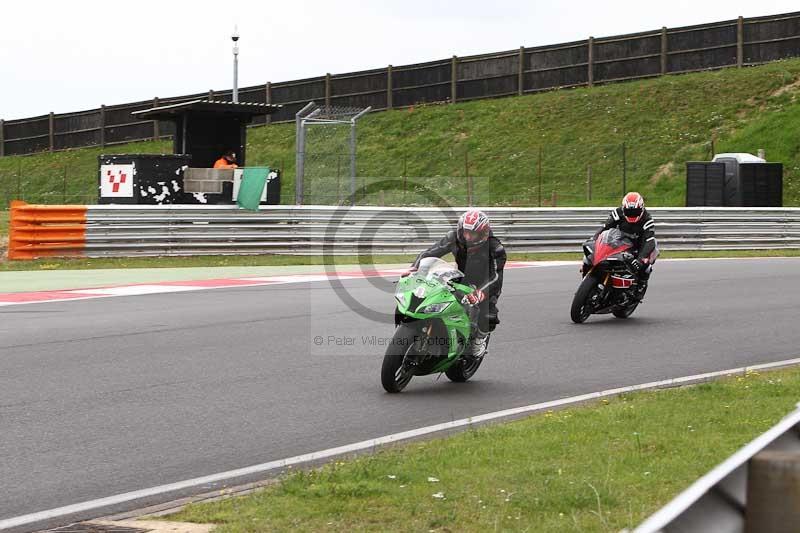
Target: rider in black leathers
x,y
633,219
481,257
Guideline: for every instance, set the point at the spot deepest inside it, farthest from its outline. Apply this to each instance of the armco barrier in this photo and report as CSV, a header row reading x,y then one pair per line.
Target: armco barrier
x,y
719,500
116,230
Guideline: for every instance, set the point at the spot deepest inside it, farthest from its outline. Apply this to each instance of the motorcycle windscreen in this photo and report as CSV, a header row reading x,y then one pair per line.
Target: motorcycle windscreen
x,y
438,269
611,241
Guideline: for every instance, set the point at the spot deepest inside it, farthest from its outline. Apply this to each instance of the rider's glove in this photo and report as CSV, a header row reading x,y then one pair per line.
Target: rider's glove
x,y
408,272
476,297
636,265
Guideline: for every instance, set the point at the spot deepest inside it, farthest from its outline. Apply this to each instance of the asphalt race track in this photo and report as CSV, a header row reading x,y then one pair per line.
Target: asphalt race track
x,y
106,396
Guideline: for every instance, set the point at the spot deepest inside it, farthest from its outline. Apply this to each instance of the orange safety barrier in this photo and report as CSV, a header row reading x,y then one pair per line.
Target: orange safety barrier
x,y
46,231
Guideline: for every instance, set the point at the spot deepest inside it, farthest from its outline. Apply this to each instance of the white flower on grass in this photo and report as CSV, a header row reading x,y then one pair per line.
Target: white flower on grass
x,y
392,476
432,479
439,495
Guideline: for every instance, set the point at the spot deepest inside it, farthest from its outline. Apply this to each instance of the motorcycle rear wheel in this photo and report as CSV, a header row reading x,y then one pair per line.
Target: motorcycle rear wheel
x,y
580,309
626,312
465,368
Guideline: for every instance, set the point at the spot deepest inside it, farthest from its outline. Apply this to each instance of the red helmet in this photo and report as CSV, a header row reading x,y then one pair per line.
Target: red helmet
x,y
473,228
633,207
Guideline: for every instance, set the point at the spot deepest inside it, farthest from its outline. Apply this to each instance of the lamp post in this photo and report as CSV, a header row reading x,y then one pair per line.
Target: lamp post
x,y
235,39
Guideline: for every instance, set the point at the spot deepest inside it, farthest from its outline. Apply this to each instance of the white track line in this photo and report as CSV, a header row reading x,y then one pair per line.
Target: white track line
x,y
142,289
134,290
367,445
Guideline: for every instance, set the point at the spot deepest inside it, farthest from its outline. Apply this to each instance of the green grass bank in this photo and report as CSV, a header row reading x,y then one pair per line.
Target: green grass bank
x,y
523,150
601,467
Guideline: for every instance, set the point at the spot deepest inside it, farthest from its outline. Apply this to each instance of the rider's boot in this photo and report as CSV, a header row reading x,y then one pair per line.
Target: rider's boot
x,y
641,286
477,345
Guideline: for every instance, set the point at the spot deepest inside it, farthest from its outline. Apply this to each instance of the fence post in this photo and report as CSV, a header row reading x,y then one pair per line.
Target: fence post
x,y
453,79
539,173
664,50
102,126
156,132
389,103
740,42
772,480
591,61
328,89
521,71
624,170
469,178
405,177
2,138
589,183
300,136
339,179
268,98
19,179
353,171
51,120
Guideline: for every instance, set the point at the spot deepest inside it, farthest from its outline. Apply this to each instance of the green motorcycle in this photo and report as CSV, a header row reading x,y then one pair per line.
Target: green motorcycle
x,y
433,327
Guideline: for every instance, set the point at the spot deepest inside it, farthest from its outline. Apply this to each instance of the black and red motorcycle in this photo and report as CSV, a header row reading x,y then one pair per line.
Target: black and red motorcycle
x,y
609,282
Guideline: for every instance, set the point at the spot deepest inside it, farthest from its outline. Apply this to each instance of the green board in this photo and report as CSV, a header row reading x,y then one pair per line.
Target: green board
x,y
251,188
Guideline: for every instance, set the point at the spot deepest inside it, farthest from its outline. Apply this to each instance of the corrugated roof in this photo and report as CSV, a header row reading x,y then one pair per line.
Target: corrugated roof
x,y
167,112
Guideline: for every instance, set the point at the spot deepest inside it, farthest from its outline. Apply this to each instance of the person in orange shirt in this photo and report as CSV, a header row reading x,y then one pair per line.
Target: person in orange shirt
x,y
228,160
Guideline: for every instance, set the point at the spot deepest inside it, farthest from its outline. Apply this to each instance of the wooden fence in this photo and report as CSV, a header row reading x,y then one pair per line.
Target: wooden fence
x,y
731,43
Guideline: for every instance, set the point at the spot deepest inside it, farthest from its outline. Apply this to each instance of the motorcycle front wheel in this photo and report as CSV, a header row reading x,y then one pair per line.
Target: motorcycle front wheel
x,y
580,309
393,377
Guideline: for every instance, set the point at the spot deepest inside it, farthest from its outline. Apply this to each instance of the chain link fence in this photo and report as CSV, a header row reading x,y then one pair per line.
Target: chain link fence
x,y
548,176
552,175
62,184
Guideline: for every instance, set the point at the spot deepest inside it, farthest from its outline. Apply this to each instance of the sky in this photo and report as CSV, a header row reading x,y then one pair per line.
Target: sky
x,y
69,56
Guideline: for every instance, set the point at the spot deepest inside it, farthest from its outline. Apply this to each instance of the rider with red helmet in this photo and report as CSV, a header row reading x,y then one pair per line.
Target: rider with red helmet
x,y
632,218
481,257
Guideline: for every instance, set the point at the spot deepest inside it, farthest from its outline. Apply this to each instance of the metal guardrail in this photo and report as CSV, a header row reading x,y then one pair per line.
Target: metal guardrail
x,y
718,501
118,230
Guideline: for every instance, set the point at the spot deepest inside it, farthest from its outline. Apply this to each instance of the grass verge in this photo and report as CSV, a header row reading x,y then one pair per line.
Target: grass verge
x,y
600,467
285,260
